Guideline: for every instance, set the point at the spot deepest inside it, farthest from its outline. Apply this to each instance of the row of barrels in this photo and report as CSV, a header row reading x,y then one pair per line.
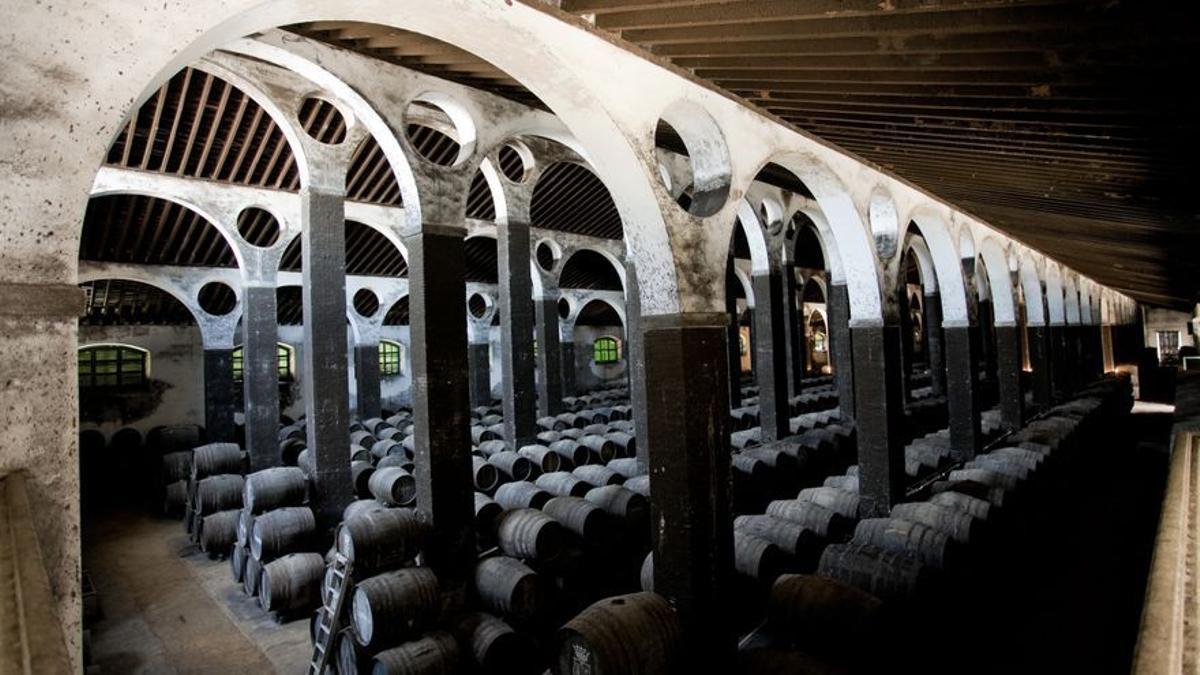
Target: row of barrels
x,y
746,416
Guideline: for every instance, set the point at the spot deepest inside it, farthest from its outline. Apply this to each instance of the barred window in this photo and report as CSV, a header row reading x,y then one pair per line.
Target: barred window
x,y
112,366
390,361
606,350
283,354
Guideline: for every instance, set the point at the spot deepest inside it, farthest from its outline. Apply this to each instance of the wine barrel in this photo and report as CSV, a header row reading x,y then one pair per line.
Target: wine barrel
x,y
486,511
844,483
994,479
508,587
792,538
494,645
361,506
274,488
529,533
215,459
391,606
621,502
572,453
480,434
822,614
176,466
396,459
978,509
598,475
562,484
292,583
521,495
434,654
291,431
573,434
373,424
490,419
601,449
551,423
571,420
289,451
360,478
251,575
889,575
219,493
840,501
485,475
359,454
548,437
931,546
380,540
755,469
639,484
755,557
218,532
237,562
543,458
826,523
598,429
954,523
281,531
175,498
514,466
386,446
634,634
489,448
364,439
393,486
626,443
581,517
646,576
627,467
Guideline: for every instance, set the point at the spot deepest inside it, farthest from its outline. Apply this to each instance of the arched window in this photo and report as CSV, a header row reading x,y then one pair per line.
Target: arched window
x,y
113,366
391,360
606,350
284,355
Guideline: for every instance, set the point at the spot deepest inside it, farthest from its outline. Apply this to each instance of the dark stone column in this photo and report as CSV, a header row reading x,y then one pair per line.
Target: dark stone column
x,y
635,340
441,407
793,331
479,366
1008,373
326,386
987,319
550,391
733,338
687,397
906,345
880,418
841,352
1056,359
260,375
772,372
567,349
1039,360
934,345
962,392
516,335
366,380
218,394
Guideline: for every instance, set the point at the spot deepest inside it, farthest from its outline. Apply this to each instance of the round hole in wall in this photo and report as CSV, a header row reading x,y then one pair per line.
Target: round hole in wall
x,y
439,129
687,132
258,227
366,303
516,161
217,298
322,121
547,255
477,305
564,308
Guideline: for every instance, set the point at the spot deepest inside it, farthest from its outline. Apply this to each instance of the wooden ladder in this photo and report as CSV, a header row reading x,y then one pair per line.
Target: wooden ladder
x,y
330,619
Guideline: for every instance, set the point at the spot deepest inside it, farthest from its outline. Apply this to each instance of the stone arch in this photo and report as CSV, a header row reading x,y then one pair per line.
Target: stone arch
x,y
1055,315
825,239
947,265
1004,305
747,218
607,255
924,258
1031,286
1070,298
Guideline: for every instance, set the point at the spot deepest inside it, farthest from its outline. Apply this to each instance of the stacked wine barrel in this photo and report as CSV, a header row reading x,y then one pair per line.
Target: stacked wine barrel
x,y
214,496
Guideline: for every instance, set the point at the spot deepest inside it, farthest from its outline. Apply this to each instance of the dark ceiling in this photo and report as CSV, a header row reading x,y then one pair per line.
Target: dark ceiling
x,y
1070,124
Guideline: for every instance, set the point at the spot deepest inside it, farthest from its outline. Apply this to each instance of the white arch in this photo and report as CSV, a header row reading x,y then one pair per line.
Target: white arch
x,y
1071,298
825,239
760,261
1004,304
948,265
1031,284
607,255
924,262
1054,295
747,287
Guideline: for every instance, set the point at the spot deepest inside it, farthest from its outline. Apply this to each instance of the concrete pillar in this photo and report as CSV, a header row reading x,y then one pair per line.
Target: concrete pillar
x,y
218,394
841,351
635,341
549,357
733,338
793,332
1039,360
1008,374
772,372
934,345
326,386
962,392
687,400
478,357
566,337
441,405
366,380
260,375
880,419
516,335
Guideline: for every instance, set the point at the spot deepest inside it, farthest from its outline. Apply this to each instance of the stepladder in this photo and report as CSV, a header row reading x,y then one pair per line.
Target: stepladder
x,y
331,617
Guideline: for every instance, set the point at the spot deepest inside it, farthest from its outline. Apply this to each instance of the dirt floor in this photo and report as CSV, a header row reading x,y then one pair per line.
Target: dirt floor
x,y
167,608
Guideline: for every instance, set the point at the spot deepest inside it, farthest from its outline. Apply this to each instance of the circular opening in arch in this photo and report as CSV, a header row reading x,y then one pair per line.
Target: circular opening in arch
x,y
685,129
564,308
322,121
884,222
258,227
439,129
515,161
477,305
366,303
217,298
547,255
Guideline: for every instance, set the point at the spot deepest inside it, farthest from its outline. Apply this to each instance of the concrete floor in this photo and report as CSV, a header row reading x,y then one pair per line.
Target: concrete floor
x,y
167,608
